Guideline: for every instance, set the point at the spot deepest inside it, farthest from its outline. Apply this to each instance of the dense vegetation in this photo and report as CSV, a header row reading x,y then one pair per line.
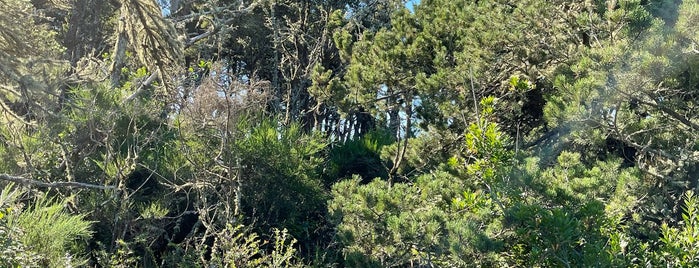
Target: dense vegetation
x,y
349,133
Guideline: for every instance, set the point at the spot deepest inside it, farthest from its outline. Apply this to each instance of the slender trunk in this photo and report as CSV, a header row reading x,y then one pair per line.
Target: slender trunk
x,y
287,99
365,122
393,114
119,52
351,127
400,153
275,71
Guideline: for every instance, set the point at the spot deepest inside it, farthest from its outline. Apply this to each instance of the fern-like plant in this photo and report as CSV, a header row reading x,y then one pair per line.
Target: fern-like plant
x,y
49,231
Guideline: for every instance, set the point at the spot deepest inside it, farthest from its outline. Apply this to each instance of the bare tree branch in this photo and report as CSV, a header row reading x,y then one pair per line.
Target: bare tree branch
x,y
142,86
229,11
67,184
672,113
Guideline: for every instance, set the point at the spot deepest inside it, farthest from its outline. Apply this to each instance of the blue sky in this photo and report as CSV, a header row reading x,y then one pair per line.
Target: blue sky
x,y
411,3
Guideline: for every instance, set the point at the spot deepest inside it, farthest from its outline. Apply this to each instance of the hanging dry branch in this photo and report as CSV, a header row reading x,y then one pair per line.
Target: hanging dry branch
x,y
152,37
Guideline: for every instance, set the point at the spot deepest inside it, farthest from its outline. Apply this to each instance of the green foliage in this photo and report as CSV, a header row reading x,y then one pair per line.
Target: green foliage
x,y
459,133
440,218
360,156
573,214
519,84
52,232
428,223
449,54
560,238
636,85
378,224
679,246
122,257
281,177
238,247
423,153
43,234
13,252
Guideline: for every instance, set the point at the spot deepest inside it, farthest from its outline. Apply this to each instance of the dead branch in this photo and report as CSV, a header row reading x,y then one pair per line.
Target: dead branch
x,y
66,184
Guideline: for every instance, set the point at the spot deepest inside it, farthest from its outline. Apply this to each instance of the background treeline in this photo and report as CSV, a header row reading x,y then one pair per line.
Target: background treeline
x,y
349,133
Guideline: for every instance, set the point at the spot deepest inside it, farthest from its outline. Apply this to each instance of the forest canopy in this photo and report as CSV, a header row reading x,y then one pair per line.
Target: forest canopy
x,y
349,133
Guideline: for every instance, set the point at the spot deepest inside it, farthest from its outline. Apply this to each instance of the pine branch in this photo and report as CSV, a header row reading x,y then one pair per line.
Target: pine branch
x,y
67,184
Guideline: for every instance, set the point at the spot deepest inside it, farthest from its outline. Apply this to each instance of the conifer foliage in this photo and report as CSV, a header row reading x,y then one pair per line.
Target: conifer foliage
x,y
350,133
